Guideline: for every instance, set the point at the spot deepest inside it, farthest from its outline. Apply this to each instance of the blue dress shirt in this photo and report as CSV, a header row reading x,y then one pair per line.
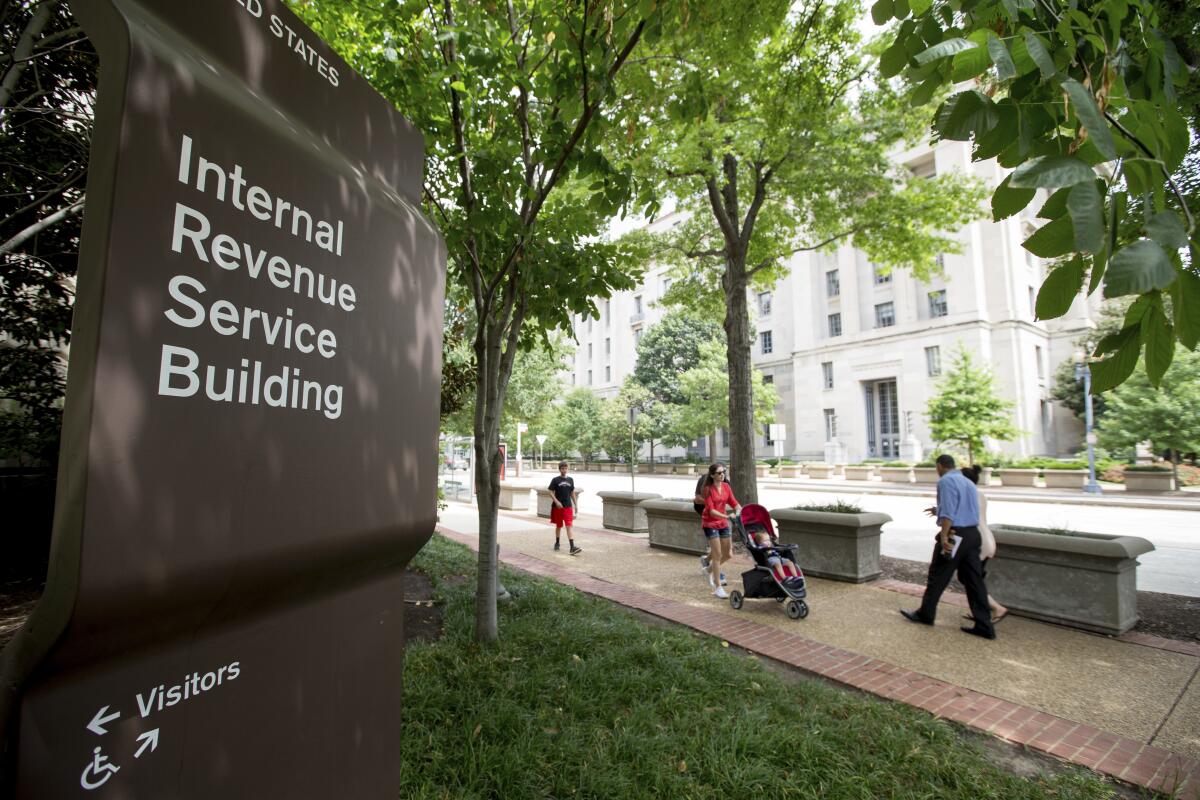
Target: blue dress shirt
x,y
957,500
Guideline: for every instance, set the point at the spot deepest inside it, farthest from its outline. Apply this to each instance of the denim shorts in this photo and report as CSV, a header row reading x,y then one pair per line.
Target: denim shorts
x,y
713,533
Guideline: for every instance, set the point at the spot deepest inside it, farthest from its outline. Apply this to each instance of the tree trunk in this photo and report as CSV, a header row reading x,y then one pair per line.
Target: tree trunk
x,y
741,399
21,56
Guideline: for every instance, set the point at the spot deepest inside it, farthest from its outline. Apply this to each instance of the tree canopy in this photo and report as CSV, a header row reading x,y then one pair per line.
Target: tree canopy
x,y
1082,100
669,348
1165,416
966,409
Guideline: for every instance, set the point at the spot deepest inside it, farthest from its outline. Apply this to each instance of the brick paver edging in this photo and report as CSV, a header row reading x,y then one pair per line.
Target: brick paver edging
x,y
1122,758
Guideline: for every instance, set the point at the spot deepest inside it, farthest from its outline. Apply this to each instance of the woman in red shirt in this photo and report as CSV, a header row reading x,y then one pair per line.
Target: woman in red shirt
x,y
717,498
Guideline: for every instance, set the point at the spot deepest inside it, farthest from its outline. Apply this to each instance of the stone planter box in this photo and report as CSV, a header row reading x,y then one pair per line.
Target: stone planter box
x,y
860,473
985,477
684,469
674,525
545,502
1065,478
896,474
1139,481
790,470
1084,580
762,470
820,471
515,496
623,512
1019,477
927,475
839,470
843,547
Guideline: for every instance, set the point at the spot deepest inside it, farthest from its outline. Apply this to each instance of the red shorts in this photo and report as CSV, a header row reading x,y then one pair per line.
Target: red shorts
x,y
562,516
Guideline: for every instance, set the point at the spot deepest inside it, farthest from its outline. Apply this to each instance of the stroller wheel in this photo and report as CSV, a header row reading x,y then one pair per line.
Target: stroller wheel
x,y
736,599
797,609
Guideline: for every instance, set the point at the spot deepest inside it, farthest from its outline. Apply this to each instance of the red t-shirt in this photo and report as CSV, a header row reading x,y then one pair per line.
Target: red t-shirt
x,y
717,498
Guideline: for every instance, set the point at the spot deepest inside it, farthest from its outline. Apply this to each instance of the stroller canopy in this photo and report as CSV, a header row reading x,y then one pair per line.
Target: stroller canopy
x,y
754,514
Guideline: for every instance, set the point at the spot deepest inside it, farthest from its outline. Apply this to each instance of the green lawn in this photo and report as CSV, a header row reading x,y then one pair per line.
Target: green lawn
x,y
581,699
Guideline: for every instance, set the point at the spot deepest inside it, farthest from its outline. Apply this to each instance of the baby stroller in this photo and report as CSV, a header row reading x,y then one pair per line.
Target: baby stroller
x,y
761,581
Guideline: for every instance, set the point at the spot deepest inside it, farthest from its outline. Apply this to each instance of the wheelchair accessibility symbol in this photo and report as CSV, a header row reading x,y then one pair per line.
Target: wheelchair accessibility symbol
x,y
97,773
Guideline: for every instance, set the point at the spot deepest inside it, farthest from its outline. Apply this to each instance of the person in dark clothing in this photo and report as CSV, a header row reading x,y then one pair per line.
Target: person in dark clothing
x,y
957,550
562,509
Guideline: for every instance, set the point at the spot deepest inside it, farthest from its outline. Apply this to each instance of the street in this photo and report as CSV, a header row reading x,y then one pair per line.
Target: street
x,y
1173,567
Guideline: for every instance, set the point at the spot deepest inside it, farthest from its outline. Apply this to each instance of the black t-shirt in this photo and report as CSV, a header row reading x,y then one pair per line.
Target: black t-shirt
x,y
563,488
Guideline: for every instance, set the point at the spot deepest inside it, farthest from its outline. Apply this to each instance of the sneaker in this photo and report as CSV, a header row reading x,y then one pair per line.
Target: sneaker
x,y
557,545
704,563
576,550
721,593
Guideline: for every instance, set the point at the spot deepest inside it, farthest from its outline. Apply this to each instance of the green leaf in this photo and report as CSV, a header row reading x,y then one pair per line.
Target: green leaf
x,y
1089,114
964,114
969,63
1138,268
1060,289
1112,371
1087,216
459,87
924,93
893,60
1005,68
1056,206
1167,229
919,7
1186,306
947,48
881,12
1052,240
1002,135
1159,340
1051,172
1039,54
1007,201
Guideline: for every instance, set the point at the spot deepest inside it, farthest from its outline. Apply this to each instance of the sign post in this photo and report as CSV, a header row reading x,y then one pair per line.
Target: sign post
x,y
778,434
521,428
259,303
541,440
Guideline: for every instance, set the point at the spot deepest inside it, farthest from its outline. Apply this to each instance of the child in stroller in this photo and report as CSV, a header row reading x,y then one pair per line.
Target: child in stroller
x,y
776,573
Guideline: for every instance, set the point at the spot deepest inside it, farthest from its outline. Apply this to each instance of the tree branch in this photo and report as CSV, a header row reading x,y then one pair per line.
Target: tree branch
x,y
41,225
20,57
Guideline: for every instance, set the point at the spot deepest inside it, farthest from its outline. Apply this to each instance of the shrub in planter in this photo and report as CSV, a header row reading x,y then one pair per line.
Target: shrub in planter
x,y
789,469
1064,474
1020,473
925,472
838,541
1147,478
762,470
860,472
896,472
819,471
623,511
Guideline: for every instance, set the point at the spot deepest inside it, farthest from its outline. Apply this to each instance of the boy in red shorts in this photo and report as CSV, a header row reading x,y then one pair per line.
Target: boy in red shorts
x,y
562,509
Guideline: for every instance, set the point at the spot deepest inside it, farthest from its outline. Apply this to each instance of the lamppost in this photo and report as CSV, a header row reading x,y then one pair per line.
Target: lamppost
x,y
1084,373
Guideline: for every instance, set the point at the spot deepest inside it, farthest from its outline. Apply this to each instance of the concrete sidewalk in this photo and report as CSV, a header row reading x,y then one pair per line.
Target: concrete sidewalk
x,y
1127,707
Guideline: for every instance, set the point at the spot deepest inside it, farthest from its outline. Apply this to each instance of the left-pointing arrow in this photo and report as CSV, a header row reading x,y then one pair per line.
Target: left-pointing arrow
x,y
148,739
98,722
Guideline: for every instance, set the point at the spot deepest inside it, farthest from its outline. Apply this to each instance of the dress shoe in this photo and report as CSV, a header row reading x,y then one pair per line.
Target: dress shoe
x,y
978,631
913,616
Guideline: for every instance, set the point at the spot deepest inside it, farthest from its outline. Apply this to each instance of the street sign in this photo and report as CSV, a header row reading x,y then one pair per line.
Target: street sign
x,y
522,427
777,432
251,409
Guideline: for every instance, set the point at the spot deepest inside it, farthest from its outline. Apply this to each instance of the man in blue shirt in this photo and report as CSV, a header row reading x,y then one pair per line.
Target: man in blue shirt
x,y
957,513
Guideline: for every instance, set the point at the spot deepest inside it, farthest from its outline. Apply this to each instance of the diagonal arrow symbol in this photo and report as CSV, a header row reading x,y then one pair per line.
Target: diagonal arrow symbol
x,y
148,739
98,722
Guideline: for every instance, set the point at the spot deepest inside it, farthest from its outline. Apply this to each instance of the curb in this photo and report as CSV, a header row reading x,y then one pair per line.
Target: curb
x,y
1124,759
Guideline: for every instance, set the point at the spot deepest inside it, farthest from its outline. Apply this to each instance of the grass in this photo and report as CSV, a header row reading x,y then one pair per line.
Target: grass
x,y
582,699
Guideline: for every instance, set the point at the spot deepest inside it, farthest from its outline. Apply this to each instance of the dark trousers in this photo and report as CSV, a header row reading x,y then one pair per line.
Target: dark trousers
x,y
970,574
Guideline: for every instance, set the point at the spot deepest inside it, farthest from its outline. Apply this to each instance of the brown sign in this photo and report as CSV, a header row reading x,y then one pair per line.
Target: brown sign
x,y
250,436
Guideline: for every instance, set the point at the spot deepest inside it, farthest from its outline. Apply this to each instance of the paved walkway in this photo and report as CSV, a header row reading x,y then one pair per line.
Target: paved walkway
x,y
1129,707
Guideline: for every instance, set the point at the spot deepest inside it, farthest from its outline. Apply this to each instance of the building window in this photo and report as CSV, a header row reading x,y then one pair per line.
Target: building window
x,y
768,378
572,378
589,351
830,425
835,324
924,169
589,377
608,374
637,336
725,437
607,346
833,283
939,261
607,313
1041,368
767,440
882,276
933,361
885,315
637,304
768,344
764,304
937,304
827,374
666,284
1032,302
